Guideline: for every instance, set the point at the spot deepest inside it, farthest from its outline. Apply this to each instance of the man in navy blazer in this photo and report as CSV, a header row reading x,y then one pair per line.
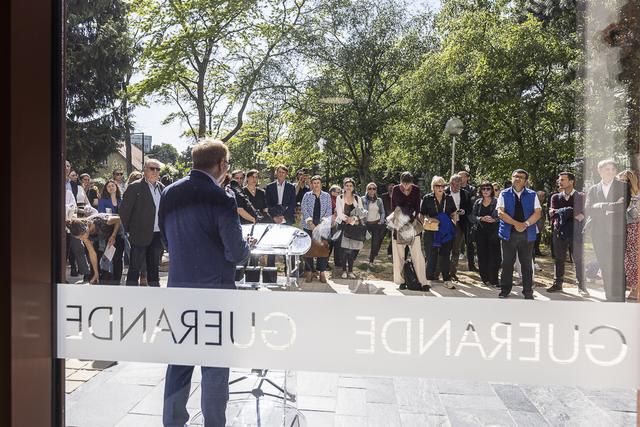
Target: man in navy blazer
x,y
199,222
605,206
281,198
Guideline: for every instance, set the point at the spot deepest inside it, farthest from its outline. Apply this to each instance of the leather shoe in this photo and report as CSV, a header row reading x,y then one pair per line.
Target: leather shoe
x,y
323,278
528,297
309,277
426,288
503,296
555,288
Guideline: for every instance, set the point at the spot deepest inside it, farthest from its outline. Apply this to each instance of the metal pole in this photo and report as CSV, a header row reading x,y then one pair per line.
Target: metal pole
x,y
453,156
142,146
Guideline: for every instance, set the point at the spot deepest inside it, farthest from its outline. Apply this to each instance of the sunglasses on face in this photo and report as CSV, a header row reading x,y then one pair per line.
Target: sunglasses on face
x,y
371,188
118,174
438,186
153,169
486,188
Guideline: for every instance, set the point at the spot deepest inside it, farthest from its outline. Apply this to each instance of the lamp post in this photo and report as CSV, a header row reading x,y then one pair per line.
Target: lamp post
x,y
454,127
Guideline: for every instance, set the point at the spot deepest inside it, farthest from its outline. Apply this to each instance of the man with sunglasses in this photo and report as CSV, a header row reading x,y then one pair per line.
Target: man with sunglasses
x,y
139,215
518,209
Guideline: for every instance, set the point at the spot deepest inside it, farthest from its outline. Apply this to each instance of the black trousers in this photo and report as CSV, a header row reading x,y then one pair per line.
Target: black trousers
x,y
436,254
113,278
488,255
610,254
471,252
151,254
377,232
560,247
520,246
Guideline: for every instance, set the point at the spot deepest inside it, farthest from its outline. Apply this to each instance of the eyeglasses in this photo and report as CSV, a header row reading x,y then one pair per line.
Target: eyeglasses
x,y
439,186
228,163
119,173
486,189
153,168
371,188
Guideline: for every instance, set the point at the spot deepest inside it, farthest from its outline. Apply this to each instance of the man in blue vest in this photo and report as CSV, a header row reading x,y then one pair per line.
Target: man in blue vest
x,y
199,221
519,209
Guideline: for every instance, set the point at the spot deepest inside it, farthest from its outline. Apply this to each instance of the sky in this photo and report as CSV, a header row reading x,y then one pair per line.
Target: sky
x,y
149,119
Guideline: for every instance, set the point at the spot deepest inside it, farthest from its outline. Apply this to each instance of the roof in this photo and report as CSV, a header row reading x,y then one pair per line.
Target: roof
x,y
136,154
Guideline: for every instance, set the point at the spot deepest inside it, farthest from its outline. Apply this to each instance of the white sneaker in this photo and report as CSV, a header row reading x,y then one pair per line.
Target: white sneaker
x,y
344,275
449,285
352,275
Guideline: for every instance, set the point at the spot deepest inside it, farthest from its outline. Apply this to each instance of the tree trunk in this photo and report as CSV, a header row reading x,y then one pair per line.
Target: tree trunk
x,y
202,112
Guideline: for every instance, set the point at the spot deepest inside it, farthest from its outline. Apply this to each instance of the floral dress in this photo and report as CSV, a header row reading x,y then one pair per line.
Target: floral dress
x,y
631,256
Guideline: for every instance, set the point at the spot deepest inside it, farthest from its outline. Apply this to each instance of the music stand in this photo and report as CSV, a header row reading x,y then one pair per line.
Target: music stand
x,y
292,243
275,239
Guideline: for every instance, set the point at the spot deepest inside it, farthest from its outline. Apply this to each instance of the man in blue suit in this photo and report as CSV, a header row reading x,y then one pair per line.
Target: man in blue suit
x,y
281,198
199,222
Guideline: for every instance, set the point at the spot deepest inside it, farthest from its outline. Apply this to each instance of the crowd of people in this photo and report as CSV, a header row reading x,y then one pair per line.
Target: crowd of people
x,y
498,229
197,220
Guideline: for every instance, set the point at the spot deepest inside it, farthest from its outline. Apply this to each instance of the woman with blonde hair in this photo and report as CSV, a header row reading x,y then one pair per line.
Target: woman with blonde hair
x,y
631,257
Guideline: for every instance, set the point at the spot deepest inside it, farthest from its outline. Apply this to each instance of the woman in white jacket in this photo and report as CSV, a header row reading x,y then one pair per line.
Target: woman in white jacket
x,y
349,210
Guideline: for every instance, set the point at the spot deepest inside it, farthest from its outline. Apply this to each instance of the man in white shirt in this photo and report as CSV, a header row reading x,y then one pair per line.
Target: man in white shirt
x,y
519,209
139,214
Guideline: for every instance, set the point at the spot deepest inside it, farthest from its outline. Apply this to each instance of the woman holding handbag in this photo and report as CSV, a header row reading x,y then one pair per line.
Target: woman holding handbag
x,y
315,207
375,220
405,209
437,208
484,217
350,215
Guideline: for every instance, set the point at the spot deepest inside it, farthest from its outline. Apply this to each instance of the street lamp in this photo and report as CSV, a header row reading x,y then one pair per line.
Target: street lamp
x,y
454,127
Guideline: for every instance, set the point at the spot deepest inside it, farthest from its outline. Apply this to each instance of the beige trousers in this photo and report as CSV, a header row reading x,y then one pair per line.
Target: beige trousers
x,y
416,257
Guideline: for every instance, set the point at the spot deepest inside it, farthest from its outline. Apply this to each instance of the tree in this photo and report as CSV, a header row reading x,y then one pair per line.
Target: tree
x,y
208,56
164,152
97,59
360,51
513,83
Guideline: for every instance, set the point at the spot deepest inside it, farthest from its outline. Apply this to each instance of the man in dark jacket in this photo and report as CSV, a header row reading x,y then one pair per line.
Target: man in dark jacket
x,y
605,207
567,218
281,198
461,199
139,214
199,221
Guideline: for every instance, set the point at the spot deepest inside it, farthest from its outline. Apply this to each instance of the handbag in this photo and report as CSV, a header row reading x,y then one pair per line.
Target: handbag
x,y
355,232
318,249
431,224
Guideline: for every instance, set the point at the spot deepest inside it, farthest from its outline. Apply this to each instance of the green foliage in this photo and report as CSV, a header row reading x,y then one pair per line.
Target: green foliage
x,y
512,82
97,59
164,152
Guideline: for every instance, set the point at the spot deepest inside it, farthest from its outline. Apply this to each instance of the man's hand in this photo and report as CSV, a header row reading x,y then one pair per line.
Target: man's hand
x,y
520,226
579,217
252,241
460,211
598,205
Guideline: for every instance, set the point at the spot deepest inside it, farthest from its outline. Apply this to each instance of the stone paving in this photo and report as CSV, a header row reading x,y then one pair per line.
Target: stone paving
x,y
130,394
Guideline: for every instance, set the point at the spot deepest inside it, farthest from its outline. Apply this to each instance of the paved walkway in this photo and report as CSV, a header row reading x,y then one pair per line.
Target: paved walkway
x,y
130,394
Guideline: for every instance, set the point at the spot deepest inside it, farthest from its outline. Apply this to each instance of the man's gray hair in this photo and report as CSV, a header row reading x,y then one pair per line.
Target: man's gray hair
x,y
455,178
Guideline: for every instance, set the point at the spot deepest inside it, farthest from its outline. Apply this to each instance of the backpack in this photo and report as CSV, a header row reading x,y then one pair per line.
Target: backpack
x,y
410,276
